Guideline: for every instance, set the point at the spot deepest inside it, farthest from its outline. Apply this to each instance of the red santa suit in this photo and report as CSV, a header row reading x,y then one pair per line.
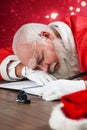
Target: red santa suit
x,y
6,57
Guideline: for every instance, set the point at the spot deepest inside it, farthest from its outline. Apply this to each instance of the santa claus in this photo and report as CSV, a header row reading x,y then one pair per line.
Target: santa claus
x,y
59,48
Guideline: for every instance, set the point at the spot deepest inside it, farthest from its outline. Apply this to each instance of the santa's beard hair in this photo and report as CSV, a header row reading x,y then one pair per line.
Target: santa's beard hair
x,y
68,61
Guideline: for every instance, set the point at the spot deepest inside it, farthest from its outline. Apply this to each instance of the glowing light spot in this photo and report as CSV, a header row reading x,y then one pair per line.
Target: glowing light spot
x,y
77,9
3,30
47,16
83,3
78,1
12,10
72,13
70,8
54,15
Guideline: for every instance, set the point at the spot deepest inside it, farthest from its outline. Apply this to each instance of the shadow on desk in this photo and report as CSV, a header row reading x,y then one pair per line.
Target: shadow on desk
x,y
20,116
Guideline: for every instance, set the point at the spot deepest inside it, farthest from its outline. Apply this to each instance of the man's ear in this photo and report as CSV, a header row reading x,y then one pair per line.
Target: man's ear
x,y
45,34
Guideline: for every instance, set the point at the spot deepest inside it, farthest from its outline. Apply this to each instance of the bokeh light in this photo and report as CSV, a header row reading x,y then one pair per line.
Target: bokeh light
x,y
77,9
72,13
71,8
15,13
47,16
83,3
54,15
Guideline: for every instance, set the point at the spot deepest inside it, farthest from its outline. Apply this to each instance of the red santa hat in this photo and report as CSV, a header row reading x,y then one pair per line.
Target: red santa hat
x,y
71,113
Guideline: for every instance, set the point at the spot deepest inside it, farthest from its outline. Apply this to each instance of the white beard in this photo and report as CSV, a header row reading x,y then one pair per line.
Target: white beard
x,y
68,60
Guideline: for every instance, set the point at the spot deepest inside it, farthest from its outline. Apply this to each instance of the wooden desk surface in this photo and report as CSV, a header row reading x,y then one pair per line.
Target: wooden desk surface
x,y
19,116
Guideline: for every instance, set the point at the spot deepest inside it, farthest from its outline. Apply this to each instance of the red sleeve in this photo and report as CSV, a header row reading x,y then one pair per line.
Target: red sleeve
x,y
4,53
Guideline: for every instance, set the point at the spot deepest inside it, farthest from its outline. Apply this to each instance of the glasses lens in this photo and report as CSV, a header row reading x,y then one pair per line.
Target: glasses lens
x,y
32,63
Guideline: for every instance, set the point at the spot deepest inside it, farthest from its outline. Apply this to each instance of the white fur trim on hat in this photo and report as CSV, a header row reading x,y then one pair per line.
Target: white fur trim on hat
x,y
4,65
58,121
66,34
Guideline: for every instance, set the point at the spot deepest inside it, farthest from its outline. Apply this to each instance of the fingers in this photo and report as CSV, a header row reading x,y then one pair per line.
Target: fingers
x,y
50,94
52,97
54,78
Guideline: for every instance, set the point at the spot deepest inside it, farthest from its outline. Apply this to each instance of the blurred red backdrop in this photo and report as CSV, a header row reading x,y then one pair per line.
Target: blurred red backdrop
x,y
14,13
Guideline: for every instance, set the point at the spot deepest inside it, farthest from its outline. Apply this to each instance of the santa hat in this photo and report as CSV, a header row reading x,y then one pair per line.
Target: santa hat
x,y
66,34
71,113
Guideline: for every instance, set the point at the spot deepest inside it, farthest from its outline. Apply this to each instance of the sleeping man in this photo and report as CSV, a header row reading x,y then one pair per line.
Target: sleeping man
x,y
47,55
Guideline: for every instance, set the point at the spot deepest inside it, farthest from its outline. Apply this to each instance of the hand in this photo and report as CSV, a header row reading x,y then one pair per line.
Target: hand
x,y
38,76
18,69
58,88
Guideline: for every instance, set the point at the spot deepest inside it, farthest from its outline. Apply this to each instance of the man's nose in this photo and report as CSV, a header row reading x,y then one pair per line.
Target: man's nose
x,y
44,67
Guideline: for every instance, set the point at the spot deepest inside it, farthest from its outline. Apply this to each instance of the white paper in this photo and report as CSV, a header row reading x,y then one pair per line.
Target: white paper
x,y
28,86
35,91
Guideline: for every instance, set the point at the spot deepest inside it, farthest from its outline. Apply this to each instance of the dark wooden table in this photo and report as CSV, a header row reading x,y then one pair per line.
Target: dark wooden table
x,y
20,116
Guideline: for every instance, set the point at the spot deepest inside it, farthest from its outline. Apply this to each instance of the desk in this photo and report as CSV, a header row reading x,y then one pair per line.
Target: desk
x,y
19,116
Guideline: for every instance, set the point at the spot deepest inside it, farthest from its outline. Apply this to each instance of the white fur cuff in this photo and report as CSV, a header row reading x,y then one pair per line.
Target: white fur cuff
x,y
58,121
4,66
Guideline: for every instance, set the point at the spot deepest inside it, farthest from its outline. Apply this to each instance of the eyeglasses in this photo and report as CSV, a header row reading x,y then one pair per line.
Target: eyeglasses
x,y
33,62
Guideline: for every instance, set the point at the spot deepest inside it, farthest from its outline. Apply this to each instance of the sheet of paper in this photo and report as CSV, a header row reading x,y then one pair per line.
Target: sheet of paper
x,y
28,86
34,91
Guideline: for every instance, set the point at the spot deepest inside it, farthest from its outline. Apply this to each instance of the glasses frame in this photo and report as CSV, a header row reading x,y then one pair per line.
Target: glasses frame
x,y
33,62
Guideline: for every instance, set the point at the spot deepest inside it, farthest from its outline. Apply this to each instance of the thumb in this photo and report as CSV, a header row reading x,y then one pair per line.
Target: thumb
x,y
51,95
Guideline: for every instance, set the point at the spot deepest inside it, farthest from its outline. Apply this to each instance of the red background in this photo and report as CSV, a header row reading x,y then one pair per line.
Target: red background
x,y
14,13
